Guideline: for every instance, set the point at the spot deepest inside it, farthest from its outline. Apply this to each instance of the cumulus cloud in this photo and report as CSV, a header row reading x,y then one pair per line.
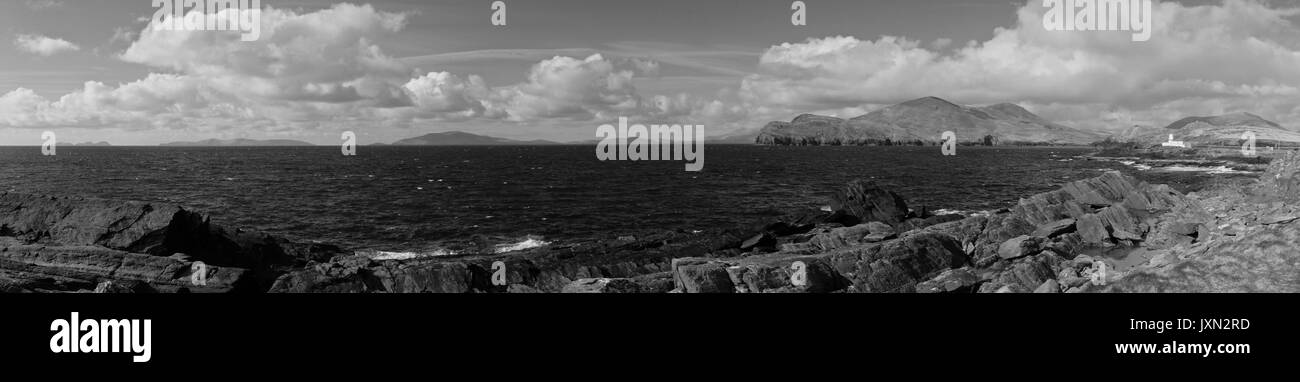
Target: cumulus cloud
x,y
561,87
306,68
41,5
42,45
326,67
1237,55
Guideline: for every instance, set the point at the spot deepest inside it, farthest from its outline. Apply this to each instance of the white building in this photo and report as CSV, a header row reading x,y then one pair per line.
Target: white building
x,y
1173,143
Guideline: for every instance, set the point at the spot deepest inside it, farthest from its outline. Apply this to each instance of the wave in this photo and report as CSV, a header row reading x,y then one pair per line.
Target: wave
x,y
945,211
529,242
386,255
1206,169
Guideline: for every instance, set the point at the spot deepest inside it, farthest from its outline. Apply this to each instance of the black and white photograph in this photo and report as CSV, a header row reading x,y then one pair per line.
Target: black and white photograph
x,y
281,151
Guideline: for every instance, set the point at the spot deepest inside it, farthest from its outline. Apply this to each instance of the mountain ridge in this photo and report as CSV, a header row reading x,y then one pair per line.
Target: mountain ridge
x,y
237,142
460,138
923,120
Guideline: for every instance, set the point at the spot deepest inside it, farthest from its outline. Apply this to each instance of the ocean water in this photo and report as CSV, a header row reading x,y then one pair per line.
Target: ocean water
x,y
423,199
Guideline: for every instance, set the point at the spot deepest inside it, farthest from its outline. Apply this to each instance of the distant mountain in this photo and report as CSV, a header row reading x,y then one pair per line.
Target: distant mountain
x,y
1234,119
1221,130
100,143
458,138
240,142
924,120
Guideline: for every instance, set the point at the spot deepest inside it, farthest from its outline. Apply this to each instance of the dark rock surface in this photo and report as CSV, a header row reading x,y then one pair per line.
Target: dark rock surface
x,y
56,243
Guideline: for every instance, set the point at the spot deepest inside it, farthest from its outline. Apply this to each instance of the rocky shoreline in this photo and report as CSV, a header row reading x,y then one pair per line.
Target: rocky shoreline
x,y
1111,233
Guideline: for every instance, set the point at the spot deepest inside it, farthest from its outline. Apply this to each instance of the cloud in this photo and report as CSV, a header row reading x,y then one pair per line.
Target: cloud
x,y
43,45
561,87
326,68
41,5
307,70
1237,55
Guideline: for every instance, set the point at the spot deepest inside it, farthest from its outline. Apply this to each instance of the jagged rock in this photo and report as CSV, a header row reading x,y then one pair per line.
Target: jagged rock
x,y
1056,228
960,280
1281,181
128,286
1020,246
868,201
1091,230
841,237
602,285
1264,260
899,265
762,240
58,268
777,273
1011,288
660,282
1024,274
1049,286
919,223
150,229
693,275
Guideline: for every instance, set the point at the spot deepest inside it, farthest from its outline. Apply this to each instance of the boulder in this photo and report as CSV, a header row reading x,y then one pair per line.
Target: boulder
x,y
960,280
899,265
694,275
1055,228
1020,246
868,201
1049,286
602,285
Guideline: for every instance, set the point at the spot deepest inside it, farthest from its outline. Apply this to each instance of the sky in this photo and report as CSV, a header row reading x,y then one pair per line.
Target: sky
x,y
94,70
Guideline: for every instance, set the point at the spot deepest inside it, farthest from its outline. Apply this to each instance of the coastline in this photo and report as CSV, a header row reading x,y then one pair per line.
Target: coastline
x,y
1147,236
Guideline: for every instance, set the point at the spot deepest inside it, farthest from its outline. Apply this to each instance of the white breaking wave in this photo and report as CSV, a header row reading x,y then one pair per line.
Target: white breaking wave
x,y
1211,170
1135,165
531,242
945,211
385,255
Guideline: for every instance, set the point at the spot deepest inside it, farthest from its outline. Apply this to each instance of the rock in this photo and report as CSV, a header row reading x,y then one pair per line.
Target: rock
x,y
1020,247
1012,288
1281,181
1027,273
899,265
762,240
777,273
58,268
841,237
1055,228
660,282
1092,231
694,275
1264,260
1049,286
127,286
919,223
877,237
150,229
959,280
868,201
602,285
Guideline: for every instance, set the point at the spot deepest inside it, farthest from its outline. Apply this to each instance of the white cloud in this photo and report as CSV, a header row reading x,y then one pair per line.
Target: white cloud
x,y
41,5
326,68
1238,55
42,45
